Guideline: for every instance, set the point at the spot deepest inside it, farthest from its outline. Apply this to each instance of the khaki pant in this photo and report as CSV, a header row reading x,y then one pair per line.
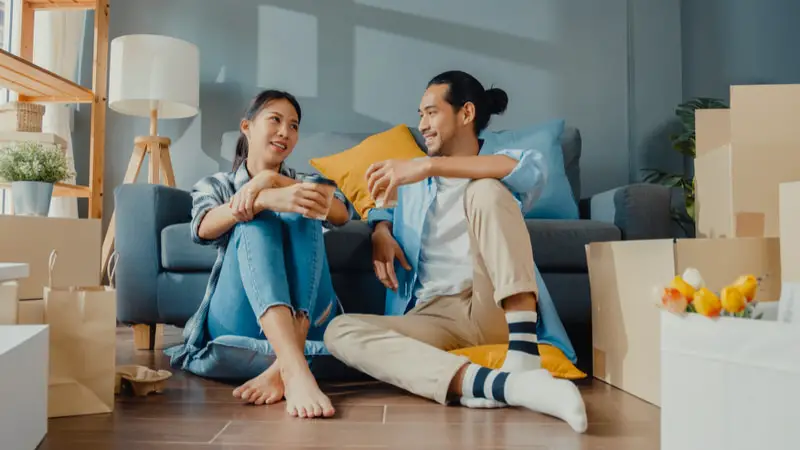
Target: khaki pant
x,y
410,351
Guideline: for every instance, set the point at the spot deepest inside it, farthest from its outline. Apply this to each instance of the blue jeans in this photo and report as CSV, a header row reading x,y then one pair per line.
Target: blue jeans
x,y
277,259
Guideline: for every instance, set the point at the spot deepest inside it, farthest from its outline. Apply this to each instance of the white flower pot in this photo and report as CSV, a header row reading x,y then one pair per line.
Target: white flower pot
x,y
31,198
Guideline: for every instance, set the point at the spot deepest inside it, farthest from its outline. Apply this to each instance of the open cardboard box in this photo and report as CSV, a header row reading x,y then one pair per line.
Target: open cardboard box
x,y
625,278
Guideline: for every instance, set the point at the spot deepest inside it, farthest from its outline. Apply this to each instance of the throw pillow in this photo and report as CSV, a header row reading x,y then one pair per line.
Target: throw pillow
x,y
556,200
349,167
493,356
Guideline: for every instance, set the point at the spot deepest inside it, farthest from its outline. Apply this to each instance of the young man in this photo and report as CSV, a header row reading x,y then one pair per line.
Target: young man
x,y
456,258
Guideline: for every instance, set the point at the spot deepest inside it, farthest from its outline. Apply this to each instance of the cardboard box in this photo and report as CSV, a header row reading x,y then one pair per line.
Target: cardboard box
x,y
789,200
8,303
30,312
24,357
737,181
31,239
729,383
625,279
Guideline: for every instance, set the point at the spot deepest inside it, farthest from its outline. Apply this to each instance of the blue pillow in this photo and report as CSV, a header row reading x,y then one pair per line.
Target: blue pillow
x,y
556,201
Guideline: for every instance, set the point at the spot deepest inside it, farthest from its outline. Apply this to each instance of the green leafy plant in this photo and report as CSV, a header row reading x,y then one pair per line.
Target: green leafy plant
x,y
684,143
33,161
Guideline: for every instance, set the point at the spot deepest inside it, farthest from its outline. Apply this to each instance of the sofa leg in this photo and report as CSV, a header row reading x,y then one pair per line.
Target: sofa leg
x,y
148,337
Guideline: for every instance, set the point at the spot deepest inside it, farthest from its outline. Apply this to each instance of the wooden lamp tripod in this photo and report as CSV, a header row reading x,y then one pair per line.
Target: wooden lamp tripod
x,y
157,77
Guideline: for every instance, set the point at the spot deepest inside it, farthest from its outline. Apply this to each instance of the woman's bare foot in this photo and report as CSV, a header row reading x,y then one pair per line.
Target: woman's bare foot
x,y
268,388
303,395
264,389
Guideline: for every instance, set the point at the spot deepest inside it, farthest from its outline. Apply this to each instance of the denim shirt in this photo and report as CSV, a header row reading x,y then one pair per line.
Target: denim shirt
x,y
526,182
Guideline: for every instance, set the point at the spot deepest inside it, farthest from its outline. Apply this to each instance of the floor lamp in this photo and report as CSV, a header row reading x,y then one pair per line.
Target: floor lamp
x,y
157,77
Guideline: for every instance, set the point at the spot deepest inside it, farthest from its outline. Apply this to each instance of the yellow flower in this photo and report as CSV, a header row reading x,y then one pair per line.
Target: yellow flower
x,y
683,287
747,285
733,300
707,303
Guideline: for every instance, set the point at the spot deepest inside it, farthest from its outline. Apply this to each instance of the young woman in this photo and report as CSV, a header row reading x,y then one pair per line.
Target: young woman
x,y
270,294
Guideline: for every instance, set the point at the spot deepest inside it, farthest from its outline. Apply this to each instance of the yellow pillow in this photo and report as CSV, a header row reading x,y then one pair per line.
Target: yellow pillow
x,y
553,359
348,168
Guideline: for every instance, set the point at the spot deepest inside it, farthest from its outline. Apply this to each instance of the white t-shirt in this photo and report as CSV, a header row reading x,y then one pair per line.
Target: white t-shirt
x,y
445,263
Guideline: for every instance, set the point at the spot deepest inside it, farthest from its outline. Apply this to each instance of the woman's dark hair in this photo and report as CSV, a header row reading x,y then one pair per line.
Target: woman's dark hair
x,y
464,88
259,102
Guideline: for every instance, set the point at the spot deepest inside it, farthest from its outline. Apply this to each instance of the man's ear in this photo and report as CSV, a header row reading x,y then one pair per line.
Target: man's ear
x,y
467,113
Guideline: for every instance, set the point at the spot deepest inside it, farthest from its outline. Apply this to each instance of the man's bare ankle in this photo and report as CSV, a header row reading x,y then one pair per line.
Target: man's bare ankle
x,y
525,301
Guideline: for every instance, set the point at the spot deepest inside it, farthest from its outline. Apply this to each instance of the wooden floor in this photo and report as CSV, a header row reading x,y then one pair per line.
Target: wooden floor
x,y
198,414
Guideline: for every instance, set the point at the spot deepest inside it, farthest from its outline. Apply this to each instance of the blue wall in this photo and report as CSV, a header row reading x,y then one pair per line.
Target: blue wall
x,y
729,42
610,67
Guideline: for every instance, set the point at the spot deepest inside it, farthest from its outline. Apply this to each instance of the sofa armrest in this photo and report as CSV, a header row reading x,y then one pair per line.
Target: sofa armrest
x,y
142,211
640,211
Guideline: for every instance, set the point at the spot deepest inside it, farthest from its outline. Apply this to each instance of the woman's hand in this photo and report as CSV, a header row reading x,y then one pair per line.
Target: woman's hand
x,y
307,199
243,202
386,176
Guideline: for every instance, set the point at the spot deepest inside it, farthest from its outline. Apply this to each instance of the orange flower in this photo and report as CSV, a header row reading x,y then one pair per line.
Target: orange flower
x,y
674,301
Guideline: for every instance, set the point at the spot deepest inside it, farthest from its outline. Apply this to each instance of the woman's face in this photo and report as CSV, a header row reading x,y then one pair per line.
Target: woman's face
x,y
273,133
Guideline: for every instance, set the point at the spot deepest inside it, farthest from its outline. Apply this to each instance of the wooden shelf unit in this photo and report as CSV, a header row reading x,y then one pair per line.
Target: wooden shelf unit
x,y
35,84
61,4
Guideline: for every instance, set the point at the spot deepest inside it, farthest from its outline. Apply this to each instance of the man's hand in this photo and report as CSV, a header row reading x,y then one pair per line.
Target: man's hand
x,y
385,250
243,202
386,176
307,199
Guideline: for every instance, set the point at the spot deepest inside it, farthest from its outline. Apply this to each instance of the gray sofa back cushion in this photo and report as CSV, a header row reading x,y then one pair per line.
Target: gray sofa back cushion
x,y
329,143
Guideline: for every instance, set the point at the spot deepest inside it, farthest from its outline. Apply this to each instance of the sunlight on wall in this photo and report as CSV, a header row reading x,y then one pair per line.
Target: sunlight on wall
x,y
287,51
499,16
391,91
186,149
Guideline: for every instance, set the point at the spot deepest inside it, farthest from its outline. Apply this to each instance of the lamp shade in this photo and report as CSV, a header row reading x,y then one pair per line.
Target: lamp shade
x,y
150,72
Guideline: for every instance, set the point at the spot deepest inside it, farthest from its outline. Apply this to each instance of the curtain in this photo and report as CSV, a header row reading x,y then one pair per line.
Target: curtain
x,y
57,43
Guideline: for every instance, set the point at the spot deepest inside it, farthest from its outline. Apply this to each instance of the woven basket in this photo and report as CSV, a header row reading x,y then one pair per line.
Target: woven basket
x,y
16,116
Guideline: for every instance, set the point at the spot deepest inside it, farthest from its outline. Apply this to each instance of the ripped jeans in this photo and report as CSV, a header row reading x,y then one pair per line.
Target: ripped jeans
x,y
277,259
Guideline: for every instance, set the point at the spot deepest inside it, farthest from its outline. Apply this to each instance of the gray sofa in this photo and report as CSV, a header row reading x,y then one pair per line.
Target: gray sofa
x,y
161,275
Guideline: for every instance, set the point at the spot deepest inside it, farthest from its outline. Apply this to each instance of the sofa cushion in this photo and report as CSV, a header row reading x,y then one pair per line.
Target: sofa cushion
x,y
556,200
559,245
180,254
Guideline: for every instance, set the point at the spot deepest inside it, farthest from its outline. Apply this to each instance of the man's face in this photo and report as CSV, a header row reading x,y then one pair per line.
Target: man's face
x,y
438,121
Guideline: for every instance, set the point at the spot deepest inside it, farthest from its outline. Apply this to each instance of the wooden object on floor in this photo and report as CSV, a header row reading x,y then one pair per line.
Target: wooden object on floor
x,y
159,172
34,84
148,337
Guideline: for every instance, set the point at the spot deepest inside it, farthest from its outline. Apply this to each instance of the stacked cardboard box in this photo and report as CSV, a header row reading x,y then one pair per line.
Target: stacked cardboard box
x,y
744,154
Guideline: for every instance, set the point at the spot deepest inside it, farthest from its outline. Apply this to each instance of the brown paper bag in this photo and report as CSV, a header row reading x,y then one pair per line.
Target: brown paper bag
x,y
82,324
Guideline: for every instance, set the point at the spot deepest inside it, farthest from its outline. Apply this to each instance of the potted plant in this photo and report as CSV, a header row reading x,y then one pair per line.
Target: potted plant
x,y
684,143
33,168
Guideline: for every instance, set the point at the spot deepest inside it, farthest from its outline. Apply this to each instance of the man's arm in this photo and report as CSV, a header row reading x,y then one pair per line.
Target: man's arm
x,y
522,171
473,167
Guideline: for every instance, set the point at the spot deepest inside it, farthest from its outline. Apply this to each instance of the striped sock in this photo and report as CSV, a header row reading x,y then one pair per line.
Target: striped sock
x,y
536,390
523,345
481,382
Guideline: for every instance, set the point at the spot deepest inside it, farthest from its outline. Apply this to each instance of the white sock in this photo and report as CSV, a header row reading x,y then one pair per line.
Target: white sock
x,y
522,356
536,390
